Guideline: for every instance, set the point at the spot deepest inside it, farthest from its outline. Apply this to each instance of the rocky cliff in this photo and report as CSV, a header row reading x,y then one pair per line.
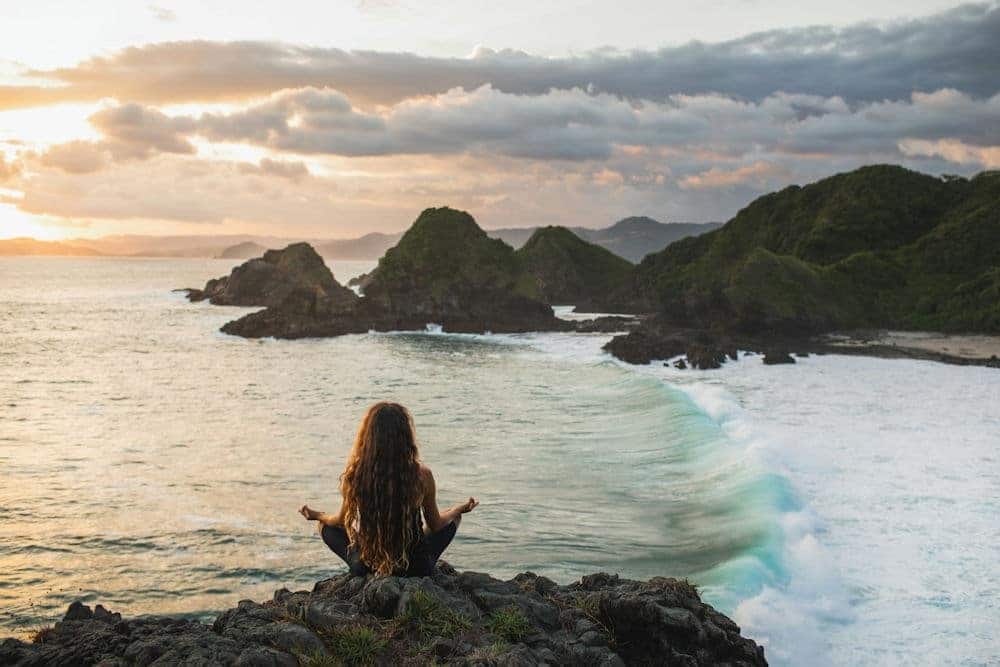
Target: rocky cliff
x,y
457,618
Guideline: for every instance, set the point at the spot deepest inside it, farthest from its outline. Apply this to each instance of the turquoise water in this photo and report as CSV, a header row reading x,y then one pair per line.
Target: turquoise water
x,y
154,464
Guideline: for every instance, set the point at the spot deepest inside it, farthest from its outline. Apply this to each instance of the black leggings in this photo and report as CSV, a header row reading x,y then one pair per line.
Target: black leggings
x,y
423,555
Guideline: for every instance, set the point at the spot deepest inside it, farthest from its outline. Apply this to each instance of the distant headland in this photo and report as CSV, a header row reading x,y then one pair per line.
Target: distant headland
x,y
631,238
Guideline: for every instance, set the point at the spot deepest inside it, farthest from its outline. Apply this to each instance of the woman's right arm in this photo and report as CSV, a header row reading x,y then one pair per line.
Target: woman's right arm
x,y
324,518
436,519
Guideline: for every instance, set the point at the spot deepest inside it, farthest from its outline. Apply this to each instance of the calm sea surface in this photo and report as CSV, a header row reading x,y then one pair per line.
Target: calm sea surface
x,y
153,464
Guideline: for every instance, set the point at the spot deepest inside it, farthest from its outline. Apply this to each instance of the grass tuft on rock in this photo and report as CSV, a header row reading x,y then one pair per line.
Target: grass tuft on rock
x,y
357,645
430,617
318,659
489,653
510,623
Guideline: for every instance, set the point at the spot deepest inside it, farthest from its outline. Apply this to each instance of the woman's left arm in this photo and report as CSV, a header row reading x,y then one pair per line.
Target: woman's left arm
x,y
322,517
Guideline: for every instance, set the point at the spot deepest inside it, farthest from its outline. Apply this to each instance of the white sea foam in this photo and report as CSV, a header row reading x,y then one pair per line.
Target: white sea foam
x,y
890,540
892,558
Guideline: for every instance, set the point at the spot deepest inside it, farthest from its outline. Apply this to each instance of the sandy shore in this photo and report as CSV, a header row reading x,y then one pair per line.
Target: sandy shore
x,y
971,347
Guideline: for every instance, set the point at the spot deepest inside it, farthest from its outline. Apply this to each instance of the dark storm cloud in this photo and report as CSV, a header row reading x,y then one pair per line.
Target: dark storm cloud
x,y
955,49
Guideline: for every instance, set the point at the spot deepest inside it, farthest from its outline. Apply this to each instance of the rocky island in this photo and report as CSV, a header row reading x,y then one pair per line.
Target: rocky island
x,y
445,270
457,618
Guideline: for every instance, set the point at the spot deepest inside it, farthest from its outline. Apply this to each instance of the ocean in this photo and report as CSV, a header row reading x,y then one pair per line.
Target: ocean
x,y
844,510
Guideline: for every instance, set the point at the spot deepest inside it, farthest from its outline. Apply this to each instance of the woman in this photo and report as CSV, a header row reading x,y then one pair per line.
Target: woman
x,y
384,488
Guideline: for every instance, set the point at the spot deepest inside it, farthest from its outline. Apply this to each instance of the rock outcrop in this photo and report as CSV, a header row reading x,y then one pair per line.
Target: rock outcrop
x,y
653,340
570,271
445,270
459,618
774,357
269,280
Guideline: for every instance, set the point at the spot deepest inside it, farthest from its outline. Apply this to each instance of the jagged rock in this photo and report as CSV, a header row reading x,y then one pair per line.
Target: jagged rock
x,y
607,324
680,364
450,618
705,356
773,357
297,272
653,340
642,346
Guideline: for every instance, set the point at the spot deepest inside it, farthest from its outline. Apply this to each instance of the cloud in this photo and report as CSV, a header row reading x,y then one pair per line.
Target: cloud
x,y
293,171
859,63
685,133
76,157
758,173
130,132
135,131
952,150
8,169
162,13
562,125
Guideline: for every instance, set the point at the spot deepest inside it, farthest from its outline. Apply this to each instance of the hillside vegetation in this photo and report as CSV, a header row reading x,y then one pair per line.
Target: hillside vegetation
x,y
880,246
570,271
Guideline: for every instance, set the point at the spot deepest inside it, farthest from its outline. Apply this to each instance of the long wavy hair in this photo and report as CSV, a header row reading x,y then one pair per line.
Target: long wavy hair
x,y
381,488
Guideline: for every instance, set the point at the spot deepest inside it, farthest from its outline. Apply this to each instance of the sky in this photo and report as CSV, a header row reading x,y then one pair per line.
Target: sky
x,y
334,119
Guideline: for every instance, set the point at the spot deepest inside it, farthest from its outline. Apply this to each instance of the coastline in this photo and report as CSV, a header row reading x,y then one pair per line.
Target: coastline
x,y
958,349
706,349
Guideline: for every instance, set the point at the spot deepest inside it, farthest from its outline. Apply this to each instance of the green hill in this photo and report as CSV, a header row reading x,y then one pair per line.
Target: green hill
x,y
446,269
568,270
879,246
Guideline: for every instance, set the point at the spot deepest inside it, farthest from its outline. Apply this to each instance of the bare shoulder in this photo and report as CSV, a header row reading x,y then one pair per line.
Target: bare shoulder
x,y
426,478
425,474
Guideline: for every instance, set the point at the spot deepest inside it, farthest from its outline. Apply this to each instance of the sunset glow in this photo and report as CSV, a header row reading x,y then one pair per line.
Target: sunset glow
x,y
349,122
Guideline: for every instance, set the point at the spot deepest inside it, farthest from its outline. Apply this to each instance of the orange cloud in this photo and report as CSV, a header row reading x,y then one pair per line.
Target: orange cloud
x,y
953,150
757,173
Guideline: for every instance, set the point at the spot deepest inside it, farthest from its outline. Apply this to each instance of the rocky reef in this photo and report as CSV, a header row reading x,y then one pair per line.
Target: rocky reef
x,y
655,339
456,618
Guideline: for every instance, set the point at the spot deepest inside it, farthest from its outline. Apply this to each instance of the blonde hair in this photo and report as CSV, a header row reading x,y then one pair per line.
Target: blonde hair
x,y
381,489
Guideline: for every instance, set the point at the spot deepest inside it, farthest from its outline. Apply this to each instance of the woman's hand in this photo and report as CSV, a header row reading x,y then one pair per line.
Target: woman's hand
x,y
467,506
309,514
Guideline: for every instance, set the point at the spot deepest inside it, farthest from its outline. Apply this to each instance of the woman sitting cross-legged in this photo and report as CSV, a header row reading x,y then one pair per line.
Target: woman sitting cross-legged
x,y
384,488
